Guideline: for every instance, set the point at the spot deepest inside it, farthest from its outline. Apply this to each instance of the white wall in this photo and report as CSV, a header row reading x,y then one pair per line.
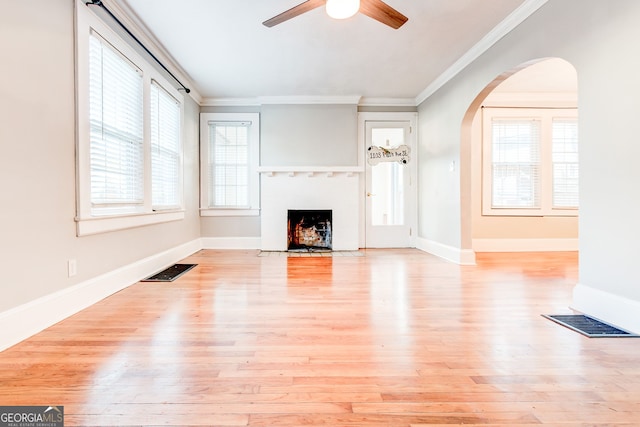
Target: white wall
x,y
599,38
37,176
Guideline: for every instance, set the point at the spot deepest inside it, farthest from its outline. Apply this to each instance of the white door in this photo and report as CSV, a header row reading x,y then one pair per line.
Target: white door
x,y
389,174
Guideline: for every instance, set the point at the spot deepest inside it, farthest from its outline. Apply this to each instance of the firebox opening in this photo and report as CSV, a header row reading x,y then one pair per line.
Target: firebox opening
x,y
309,230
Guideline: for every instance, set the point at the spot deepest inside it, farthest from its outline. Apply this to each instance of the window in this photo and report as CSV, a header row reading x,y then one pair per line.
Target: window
x,y
515,163
229,157
165,149
129,145
565,163
116,139
230,180
530,162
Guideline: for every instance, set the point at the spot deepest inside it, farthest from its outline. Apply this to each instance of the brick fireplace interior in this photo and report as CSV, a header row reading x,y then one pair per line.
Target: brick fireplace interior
x,y
309,230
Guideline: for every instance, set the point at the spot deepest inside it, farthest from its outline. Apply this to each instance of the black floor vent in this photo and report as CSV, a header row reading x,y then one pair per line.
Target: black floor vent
x,y
588,326
170,274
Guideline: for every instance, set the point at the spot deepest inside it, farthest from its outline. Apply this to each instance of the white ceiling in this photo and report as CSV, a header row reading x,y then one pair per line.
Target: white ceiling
x,y
226,52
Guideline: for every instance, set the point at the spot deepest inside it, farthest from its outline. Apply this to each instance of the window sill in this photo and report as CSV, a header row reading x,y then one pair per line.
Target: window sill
x,y
229,212
97,225
530,212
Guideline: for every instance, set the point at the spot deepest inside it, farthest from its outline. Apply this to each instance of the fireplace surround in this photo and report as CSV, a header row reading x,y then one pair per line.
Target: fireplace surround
x,y
321,188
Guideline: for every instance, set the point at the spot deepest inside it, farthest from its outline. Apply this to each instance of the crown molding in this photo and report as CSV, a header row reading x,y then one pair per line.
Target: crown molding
x,y
307,100
280,100
387,102
130,19
518,16
230,102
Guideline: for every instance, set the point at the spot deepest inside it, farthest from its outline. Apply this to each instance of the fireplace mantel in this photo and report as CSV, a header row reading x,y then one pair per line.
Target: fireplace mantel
x,y
309,170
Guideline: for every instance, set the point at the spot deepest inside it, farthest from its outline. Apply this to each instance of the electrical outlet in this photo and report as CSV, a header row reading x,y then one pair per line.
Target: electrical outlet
x,y
73,267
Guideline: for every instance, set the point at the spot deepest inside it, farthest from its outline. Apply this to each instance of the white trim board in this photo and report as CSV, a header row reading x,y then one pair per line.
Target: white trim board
x,y
616,310
450,253
525,245
20,323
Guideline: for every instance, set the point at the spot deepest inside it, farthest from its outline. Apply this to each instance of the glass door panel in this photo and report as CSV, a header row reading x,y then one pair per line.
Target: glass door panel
x,y
387,183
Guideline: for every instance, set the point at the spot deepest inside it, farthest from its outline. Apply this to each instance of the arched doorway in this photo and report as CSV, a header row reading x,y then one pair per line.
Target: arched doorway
x,y
532,213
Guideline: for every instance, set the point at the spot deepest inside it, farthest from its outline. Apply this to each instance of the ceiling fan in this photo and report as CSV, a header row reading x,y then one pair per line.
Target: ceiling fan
x,y
341,9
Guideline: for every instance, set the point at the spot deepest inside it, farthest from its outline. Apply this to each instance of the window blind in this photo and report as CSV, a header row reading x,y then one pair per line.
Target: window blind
x,y
565,163
116,128
515,163
165,148
229,164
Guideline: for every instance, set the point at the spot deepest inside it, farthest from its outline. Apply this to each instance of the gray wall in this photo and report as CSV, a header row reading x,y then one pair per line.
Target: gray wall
x,y
292,135
309,135
600,39
37,176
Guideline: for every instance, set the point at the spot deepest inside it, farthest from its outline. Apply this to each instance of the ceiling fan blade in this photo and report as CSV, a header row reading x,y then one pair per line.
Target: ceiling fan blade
x,y
293,12
382,12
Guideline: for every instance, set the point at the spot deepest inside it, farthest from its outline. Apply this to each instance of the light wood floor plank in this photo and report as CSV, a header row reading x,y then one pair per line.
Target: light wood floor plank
x,y
387,338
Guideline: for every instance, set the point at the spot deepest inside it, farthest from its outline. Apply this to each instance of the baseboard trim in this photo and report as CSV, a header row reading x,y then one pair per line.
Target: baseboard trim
x,y
231,242
26,320
613,309
524,245
450,253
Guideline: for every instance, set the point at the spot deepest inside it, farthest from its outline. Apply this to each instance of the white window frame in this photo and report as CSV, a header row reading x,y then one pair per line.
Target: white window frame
x,y
207,204
89,219
546,117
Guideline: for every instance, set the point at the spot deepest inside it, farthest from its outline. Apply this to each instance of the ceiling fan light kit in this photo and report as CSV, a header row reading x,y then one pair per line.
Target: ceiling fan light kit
x,y
342,9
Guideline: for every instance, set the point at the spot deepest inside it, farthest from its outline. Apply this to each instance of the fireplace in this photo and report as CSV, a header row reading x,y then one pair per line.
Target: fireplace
x,y
336,189
309,230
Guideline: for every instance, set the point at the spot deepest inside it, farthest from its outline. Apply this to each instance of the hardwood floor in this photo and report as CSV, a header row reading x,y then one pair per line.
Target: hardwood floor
x,y
392,338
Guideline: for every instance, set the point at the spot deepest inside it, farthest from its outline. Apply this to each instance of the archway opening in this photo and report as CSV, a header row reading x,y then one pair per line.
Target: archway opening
x,y
519,166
